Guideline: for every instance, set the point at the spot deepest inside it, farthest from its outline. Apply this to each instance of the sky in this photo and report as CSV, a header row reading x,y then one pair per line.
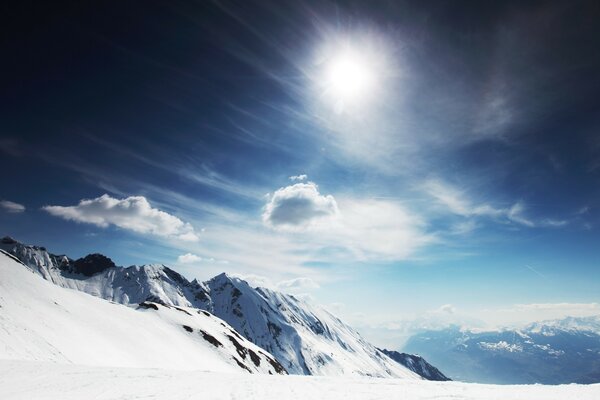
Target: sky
x,y
407,165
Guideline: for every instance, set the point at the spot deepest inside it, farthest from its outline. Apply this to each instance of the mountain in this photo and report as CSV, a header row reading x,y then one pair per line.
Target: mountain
x,y
43,322
305,339
549,352
417,364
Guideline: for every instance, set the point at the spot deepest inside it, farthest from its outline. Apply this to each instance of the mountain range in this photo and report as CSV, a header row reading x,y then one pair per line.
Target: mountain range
x,y
304,339
548,352
40,321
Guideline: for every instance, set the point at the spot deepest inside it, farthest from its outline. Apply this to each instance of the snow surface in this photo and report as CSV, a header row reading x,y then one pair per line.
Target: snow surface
x,y
21,380
43,322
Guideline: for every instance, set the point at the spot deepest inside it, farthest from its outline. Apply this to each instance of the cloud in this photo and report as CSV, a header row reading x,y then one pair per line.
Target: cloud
x,y
448,309
299,206
573,308
523,314
12,207
188,258
132,213
458,203
374,229
299,178
297,284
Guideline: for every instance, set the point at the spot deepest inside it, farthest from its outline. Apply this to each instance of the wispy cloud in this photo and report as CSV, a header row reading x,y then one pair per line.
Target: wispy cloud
x,y
301,177
459,203
12,207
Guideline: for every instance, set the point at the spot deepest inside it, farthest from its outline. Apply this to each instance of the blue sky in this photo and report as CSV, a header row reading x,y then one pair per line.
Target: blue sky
x,y
406,165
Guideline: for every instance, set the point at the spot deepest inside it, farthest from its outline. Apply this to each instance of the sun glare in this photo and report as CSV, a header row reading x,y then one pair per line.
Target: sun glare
x,y
349,77
350,74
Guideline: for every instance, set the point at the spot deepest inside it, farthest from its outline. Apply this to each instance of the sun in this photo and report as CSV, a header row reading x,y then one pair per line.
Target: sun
x,y
349,77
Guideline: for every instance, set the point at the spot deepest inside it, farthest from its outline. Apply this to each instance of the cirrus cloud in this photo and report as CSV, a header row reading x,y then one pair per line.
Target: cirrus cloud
x,y
299,206
132,213
12,207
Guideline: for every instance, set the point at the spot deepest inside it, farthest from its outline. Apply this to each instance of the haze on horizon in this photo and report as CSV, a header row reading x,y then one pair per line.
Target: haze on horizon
x,y
407,166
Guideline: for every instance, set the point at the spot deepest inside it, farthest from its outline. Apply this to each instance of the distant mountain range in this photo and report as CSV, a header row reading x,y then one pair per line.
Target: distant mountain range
x,y
303,338
550,352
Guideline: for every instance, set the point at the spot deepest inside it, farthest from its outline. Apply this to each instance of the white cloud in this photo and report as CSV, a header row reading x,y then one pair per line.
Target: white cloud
x,y
448,309
298,178
133,213
523,314
299,206
188,258
578,308
12,207
297,284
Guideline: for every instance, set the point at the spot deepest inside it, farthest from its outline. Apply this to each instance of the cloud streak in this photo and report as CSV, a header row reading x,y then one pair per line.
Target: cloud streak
x,y
458,203
12,207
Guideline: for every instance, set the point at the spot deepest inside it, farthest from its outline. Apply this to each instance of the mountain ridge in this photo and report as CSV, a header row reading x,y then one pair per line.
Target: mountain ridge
x,y
305,339
43,322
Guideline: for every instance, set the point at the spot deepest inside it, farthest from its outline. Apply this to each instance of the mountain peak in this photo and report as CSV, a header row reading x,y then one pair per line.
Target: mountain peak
x,y
92,264
8,240
224,278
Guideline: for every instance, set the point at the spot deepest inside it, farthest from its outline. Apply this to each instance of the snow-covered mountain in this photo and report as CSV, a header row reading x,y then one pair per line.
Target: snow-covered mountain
x,y
304,338
550,352
417,364
43,322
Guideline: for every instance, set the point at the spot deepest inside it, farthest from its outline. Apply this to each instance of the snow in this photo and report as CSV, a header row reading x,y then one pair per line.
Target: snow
x,y
43,322
305,338
21,380
501,346
59,343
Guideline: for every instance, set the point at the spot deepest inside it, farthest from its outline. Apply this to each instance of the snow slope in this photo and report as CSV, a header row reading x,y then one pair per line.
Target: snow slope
x,y
34,380
306,339
43,322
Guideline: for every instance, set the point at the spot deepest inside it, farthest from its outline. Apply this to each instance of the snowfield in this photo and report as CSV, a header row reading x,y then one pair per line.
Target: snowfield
x,y
22,380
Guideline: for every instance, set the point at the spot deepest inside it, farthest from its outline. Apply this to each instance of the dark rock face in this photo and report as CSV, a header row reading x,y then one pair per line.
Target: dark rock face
x,y
175,276
148,305
417,364
8,240
92,264
211,339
